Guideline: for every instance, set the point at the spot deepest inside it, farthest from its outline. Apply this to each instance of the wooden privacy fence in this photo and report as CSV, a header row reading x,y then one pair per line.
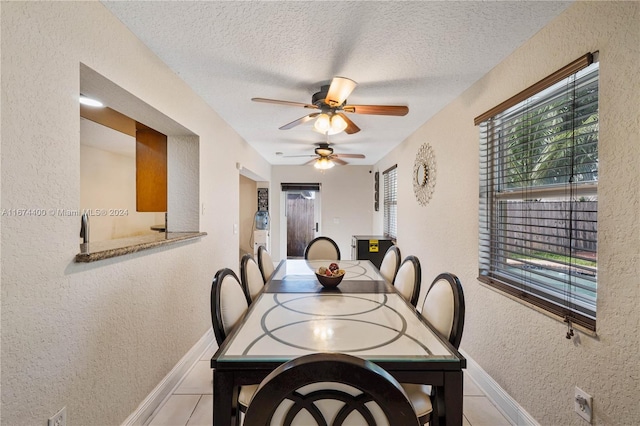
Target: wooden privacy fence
x,y
545,225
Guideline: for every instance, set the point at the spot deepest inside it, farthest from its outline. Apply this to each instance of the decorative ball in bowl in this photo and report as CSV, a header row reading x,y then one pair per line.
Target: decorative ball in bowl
x,y
330,276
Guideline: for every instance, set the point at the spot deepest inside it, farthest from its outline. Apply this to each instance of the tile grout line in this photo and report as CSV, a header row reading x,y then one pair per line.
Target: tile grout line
x,y
194,410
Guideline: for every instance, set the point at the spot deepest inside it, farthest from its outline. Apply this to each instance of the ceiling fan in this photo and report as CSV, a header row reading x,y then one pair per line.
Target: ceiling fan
x,y
324,158
331,101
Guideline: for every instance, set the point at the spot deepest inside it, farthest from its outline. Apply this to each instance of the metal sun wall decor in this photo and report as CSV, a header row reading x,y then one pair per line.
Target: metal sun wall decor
x,y
424,174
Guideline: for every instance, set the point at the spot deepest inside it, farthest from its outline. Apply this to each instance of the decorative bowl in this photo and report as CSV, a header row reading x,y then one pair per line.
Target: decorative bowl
x,y
329,282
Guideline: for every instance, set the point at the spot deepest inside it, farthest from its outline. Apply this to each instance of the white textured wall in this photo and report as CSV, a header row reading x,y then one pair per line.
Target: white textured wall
x,y
346,201
96,338
183,169
524,351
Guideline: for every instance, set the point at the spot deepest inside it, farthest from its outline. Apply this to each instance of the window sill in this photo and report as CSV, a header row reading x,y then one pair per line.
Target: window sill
x,y
587,331
92,252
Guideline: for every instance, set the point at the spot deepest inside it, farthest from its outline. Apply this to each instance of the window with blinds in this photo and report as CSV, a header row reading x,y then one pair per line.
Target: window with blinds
x,y
538,195
390,177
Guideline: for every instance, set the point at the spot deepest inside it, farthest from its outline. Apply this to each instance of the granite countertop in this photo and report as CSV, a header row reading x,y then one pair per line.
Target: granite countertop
x,y
91,252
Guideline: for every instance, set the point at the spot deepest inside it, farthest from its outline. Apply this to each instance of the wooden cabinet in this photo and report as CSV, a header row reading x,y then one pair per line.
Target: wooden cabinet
x,y
151,170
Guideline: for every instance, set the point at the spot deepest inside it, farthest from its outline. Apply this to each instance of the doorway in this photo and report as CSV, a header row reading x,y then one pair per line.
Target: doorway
x,y
302,207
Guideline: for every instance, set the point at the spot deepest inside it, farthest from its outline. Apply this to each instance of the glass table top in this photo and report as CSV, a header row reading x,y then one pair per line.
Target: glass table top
x,y
298,275
292,269
376,326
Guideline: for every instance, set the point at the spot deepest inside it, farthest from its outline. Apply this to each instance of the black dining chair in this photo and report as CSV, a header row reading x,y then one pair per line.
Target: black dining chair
x,y
250,277
444,309
391,263
322,248
327,389
265,263
408,279
228,305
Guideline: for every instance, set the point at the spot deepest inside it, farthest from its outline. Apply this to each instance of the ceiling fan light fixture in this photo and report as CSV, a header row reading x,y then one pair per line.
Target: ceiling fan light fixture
x,y
323,123
329,124
323,163
337,124
340,89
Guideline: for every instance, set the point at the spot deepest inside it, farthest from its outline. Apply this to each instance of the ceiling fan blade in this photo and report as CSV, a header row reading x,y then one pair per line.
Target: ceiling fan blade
x,y
339,90
351,126
397,110
299,156
300,120
339,161
310,161
288,103
350,155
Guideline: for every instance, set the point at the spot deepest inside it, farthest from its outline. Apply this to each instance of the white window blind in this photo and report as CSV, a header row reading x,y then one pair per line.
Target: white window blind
x,y
538,198
391,202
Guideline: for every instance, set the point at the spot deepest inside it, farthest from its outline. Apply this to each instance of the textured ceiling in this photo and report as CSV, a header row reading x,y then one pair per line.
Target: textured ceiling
x,y
422,54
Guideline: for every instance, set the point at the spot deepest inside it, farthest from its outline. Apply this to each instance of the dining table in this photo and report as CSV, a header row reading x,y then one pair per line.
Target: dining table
x,y
364,316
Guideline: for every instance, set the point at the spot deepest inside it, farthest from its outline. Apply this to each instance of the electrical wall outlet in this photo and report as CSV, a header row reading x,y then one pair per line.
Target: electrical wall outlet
x,y
583,404
59,419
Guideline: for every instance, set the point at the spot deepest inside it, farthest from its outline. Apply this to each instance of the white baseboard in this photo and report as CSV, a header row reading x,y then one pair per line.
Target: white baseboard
x,y
502,400
168,384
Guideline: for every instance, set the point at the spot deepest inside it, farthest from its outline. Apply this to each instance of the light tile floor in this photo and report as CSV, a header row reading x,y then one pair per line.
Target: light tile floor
x,y
191,404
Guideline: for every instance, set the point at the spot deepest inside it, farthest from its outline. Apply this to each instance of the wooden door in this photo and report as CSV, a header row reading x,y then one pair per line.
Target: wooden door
x,y
301,222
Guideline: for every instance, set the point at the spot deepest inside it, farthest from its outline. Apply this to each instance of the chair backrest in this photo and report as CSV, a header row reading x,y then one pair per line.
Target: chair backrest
x,y
390,263
251,277
327,389
409,278
228,303
322,248
444,308
265,263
